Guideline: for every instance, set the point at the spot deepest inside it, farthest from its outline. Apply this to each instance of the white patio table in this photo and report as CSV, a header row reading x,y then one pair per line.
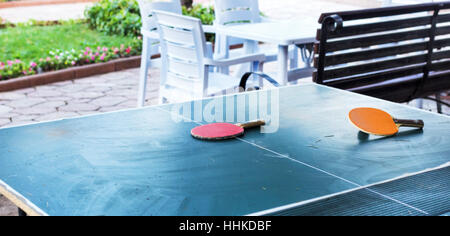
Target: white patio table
x,y
283,34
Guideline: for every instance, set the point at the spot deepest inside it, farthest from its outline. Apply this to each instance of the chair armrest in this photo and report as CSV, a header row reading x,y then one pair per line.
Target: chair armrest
x,y
149,34
209,29
235,60
243,83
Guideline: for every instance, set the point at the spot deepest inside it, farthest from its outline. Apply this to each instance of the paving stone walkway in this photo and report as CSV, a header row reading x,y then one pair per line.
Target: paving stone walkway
x,y
108,92
44,12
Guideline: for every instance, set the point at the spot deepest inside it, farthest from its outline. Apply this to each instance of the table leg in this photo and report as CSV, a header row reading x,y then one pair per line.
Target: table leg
x,y
21,212
283,57
307,54
420,103
250,47
294,59
438,104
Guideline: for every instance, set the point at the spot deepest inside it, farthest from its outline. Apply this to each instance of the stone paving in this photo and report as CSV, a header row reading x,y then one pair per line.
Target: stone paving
x,y
108,92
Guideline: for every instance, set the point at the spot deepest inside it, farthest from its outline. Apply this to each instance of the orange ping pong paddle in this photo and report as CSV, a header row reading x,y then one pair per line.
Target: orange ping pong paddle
x,y
222,131
377,122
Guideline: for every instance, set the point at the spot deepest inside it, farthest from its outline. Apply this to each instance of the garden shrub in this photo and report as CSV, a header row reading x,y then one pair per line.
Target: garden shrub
x,y
122,17
119,17
205,14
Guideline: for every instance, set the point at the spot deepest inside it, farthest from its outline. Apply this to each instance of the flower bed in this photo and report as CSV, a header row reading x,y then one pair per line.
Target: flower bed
x,y
58,60
28,48
70,73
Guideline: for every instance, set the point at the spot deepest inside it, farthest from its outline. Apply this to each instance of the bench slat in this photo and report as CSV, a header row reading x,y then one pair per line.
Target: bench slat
x,y
385,26
370,54
386,75
386,11
358,80
383,65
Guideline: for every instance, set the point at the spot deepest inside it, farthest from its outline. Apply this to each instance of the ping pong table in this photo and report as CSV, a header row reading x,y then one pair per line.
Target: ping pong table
x,y
308,161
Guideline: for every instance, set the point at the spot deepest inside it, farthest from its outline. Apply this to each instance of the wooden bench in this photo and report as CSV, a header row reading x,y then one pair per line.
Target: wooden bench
x,y
395,53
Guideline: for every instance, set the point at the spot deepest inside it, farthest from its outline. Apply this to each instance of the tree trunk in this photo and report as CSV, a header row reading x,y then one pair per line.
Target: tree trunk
x,y
187,3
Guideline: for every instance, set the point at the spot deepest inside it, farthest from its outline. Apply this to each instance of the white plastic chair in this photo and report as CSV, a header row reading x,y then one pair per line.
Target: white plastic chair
x,y
150,45
187,61
233,12
150,36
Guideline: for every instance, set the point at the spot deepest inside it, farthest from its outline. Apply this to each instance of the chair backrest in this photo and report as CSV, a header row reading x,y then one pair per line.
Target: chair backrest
x,y
233,12
230,12
146,7
394,53
183,49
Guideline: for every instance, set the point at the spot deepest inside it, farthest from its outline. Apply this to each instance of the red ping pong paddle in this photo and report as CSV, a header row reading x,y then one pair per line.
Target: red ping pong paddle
x,y
223,131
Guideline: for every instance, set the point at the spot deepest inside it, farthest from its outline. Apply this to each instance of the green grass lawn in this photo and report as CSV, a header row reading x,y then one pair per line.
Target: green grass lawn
x,y
30,43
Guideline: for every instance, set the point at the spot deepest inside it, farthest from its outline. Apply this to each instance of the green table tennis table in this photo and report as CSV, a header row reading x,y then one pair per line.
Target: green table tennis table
x,y
308,160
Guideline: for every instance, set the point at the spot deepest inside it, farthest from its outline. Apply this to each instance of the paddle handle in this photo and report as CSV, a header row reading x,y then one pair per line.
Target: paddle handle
x,y
410,123
252,124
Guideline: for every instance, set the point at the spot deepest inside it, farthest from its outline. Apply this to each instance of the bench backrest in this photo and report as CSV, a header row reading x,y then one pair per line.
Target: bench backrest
x,y
394,53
